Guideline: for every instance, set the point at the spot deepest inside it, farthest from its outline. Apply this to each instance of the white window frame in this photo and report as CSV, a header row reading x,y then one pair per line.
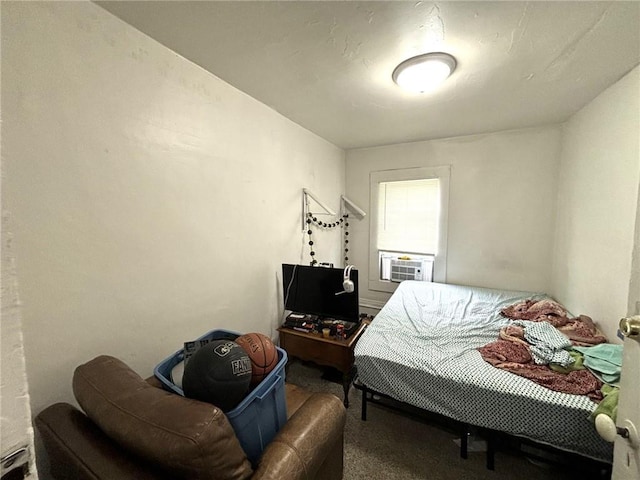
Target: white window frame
x,y
443,173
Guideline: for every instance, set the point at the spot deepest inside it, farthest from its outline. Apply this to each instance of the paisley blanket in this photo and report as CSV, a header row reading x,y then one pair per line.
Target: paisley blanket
x,y
581,330
537,311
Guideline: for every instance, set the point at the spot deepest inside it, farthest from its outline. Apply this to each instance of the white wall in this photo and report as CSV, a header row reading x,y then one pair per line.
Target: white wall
x,y
597,200
150,201
502,195
16,430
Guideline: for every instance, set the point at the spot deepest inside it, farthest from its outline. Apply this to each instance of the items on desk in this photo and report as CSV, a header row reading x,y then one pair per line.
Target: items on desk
x,y
305,327
301,322
341,329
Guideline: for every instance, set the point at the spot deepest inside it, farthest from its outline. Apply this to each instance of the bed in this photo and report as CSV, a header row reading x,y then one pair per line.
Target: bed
x,y
422,350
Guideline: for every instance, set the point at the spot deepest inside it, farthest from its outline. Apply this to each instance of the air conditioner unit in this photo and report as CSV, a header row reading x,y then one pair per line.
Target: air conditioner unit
x,y
421,270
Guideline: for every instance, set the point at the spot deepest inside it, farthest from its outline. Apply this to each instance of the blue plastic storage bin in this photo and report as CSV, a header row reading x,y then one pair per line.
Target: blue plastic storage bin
x,y
261,414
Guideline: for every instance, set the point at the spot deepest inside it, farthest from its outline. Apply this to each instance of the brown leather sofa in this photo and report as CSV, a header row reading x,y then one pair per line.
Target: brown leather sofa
x,y
133,429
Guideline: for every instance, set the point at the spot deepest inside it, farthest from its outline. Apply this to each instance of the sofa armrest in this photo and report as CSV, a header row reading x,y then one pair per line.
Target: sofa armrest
x,y
78,450
310,445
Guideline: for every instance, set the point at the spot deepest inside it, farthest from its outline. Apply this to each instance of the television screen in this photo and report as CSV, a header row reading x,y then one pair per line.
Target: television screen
x,y
312,290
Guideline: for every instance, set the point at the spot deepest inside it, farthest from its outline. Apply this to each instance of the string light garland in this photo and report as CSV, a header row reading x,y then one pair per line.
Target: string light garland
x,y
343,222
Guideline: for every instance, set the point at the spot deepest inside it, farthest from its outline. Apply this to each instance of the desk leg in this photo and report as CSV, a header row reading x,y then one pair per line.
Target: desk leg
x,y
347,378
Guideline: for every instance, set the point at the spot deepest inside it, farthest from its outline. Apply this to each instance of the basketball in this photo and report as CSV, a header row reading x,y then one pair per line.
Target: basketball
x,y
218,373
262,353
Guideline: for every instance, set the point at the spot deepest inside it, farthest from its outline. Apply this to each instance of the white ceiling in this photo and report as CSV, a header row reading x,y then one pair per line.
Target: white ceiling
x,y
327,65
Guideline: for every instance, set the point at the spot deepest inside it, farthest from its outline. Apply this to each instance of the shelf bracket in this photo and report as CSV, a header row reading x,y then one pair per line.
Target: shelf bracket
x,y
346,203
306,194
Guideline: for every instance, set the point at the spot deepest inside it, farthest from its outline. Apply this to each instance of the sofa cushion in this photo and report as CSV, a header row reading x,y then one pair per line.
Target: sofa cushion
x,y
188,438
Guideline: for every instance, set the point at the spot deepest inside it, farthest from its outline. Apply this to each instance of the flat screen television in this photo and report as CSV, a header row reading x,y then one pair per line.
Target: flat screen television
x,y
312,290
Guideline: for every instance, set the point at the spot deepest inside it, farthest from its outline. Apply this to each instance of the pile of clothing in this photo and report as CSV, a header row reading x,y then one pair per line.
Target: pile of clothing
x,y
564,354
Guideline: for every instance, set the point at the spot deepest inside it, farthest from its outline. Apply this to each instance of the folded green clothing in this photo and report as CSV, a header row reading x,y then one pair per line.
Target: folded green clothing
x,y
613,379
605,358
609,404
611,352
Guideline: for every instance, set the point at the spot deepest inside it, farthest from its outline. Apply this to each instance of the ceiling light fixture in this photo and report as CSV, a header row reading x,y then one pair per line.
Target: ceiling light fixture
x,y
424,72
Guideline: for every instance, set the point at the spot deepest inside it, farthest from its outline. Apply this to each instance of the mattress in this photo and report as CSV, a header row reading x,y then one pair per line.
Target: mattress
x,y
421,350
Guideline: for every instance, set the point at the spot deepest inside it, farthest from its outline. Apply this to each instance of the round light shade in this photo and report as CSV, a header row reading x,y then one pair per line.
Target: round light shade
x,y
424,72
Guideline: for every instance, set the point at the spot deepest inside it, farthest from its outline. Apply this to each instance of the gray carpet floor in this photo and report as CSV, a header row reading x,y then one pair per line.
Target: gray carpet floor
x,y
391,445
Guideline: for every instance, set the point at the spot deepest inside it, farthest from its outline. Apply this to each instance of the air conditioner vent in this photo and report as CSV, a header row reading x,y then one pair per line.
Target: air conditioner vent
x,y
421,270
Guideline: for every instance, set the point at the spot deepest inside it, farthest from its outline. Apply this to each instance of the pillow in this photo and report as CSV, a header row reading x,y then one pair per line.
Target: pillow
x,y
187,438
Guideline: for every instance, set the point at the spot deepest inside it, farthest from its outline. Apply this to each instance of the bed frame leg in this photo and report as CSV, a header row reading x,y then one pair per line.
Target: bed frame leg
x,y
491,453
464,441
364,405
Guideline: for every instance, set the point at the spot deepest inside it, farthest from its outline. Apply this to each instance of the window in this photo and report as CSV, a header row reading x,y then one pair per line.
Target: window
x,y
408,226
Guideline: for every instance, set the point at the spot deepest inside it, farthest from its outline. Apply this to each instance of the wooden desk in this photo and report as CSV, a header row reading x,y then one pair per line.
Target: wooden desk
x,y
323,351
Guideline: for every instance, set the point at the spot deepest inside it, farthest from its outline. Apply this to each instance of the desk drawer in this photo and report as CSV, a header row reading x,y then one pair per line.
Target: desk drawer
x,y
315,350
